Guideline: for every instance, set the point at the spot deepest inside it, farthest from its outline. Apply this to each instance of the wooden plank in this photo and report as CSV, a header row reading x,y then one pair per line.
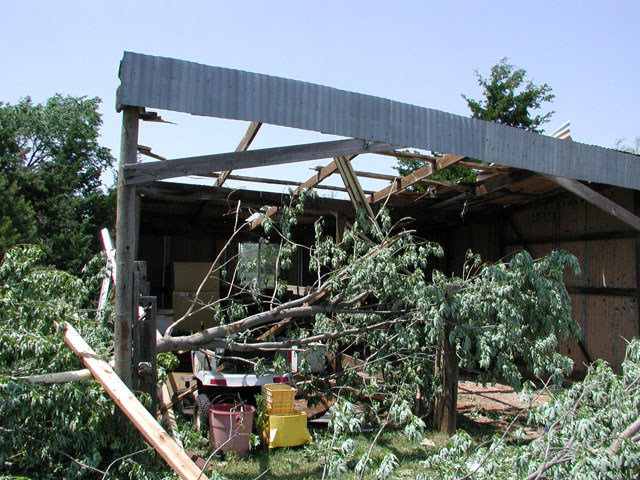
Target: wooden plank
x,y
175,456
125,247
110,273
423,172
597,199
274,181
354,188
168,417
252,198
496,183
144,172
244,144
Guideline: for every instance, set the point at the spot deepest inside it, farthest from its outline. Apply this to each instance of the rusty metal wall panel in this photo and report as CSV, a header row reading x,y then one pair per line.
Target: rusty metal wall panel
x,y
169,84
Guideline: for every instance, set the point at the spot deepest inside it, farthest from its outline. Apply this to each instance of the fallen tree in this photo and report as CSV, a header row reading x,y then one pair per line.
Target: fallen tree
x,y
376,296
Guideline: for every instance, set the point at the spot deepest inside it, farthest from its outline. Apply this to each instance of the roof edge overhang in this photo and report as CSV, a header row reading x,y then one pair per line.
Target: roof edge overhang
x,y
182,86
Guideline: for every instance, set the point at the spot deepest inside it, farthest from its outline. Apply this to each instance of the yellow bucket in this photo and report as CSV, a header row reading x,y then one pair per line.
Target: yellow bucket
x,y
288,430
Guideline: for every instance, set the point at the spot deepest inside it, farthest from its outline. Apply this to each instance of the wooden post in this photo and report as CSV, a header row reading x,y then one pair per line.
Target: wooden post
x,y
125,248
145,367
446,404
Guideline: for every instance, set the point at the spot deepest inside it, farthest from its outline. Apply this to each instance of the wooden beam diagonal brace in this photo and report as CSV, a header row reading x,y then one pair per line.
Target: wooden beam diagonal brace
x,y
144,172
354,189
597,199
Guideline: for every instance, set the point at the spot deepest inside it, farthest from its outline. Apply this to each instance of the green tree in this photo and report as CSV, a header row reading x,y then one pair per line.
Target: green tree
x,y
508,98
51,159
511,99
53,431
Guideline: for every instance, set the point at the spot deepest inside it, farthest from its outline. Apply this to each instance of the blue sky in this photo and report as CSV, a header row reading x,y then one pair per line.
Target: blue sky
x,y
419,52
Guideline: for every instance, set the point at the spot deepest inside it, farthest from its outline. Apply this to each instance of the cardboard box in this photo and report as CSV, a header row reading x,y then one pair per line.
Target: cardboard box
x,y
187,277
181,303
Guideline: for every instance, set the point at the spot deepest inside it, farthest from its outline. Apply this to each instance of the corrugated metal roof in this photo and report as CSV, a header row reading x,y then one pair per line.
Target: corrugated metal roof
x,y
178,85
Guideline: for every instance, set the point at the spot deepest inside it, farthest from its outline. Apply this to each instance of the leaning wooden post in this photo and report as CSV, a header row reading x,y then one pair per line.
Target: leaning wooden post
x,y
125,247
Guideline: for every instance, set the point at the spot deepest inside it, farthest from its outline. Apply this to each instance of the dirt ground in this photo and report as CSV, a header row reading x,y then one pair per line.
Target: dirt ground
x,y
492,407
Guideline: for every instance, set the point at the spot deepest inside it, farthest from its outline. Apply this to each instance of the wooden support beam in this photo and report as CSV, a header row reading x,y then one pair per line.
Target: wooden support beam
x,y
596,199
175,456
354,189
583,237
310,183
110,273
144,172
125,247
249,198
405,182
274,181
497,183
611,291
244,144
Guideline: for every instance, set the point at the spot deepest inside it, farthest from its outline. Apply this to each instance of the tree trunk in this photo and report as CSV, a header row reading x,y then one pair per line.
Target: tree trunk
x,y
445,405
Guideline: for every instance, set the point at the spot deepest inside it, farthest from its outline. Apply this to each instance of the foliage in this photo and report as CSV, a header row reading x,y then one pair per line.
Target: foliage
x,y
510,99
501,314
51,160
450,174
60,430
581,425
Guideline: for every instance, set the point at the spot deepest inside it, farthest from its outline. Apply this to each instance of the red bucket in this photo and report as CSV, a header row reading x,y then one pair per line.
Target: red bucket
x,y
231,425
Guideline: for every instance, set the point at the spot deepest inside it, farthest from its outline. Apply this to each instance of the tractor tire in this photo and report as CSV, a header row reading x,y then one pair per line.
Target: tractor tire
x,y
201,413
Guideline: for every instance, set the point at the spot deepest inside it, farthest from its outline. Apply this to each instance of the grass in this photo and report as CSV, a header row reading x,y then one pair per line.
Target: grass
x,y
307,462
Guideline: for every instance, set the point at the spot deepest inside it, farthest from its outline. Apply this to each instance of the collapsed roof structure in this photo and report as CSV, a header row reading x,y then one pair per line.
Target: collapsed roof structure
x,y
529,191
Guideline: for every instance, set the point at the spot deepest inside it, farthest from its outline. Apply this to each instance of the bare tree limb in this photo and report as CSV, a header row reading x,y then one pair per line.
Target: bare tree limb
x,y
630,431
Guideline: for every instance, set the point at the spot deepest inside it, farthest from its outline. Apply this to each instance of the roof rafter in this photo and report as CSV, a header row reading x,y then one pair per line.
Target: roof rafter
x,y
310,183
421,173
245,142
597,199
